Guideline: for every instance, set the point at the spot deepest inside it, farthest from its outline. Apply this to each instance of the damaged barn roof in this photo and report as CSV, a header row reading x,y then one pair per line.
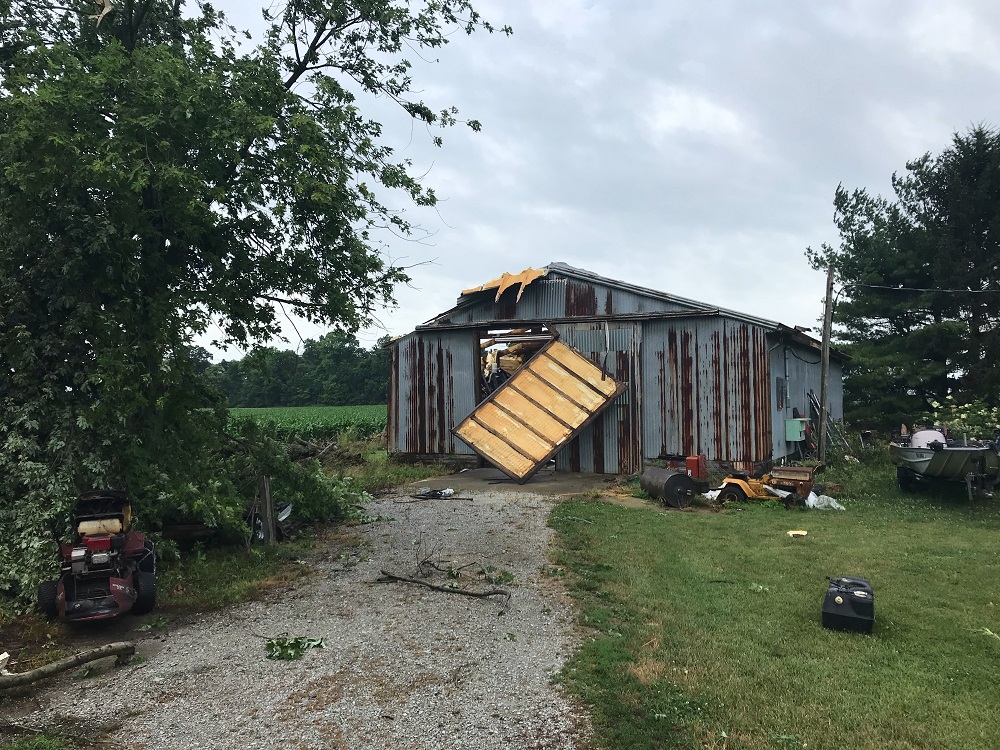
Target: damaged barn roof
x,y
571,296
508,280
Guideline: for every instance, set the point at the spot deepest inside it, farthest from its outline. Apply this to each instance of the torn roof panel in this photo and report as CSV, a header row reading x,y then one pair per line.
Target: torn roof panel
x,y
508,280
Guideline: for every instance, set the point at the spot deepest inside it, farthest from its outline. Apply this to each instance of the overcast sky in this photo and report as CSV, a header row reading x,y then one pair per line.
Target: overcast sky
x,y
691,146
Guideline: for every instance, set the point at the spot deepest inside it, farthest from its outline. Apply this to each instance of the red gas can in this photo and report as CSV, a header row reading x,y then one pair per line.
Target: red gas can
x,y
697,467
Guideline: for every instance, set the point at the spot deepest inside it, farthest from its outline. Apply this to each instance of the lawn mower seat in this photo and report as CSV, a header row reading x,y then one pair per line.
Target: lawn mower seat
x,y
99,526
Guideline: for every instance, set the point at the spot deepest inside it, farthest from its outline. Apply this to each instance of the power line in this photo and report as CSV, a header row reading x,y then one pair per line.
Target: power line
x,y
920,289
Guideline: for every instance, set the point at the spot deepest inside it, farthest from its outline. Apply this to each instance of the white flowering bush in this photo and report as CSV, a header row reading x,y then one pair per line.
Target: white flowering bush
x,y
975,419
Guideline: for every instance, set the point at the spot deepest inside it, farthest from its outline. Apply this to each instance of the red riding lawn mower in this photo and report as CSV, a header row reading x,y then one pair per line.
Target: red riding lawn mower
x,y
108,569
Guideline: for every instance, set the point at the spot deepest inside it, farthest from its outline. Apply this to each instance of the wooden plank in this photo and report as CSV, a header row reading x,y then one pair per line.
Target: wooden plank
x,y
583,367
515,432
543,393
532,414
494,449
569,384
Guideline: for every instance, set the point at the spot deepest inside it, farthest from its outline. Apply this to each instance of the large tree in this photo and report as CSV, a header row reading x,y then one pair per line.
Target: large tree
x,y
161,174
920,283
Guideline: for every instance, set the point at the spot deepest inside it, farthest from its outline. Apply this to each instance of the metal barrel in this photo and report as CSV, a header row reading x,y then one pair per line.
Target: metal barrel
x,y
672,487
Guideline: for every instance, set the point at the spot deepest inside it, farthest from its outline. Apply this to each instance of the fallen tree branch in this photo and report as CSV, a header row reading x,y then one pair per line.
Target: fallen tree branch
x,y
388,577
451,570
9,726
124,650
327,449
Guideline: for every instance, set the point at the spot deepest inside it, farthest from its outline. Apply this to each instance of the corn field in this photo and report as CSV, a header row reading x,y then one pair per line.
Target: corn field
x,y
317,422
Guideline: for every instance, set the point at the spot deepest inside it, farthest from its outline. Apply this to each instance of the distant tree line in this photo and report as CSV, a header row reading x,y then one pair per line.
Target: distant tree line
x,y
331,371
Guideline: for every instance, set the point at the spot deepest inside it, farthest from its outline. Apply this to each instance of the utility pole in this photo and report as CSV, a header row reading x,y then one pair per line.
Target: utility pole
x,y
824,366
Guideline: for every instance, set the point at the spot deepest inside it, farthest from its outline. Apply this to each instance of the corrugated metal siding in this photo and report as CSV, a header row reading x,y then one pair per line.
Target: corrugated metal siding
x,y
706,390
611,444
547,402
432,385
797,368
557,297
836,390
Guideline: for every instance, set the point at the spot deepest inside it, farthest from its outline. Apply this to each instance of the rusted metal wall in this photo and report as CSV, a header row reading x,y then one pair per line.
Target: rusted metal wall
x,y
706,390
432,387
611,444
558,297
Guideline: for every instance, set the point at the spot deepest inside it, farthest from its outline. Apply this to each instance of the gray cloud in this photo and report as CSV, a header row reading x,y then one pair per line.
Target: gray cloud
x,y
692,147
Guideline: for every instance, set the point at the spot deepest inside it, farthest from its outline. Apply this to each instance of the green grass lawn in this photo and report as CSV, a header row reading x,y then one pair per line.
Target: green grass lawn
x,y
708,624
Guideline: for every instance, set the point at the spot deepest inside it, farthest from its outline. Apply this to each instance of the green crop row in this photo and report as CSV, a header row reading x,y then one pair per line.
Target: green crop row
x,y
317,423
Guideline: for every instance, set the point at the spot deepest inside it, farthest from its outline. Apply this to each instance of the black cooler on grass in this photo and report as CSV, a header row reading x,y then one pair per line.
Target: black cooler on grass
x,y
849,605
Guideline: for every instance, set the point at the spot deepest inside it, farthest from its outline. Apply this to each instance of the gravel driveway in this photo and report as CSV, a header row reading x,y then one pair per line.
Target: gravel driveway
x,y
404,666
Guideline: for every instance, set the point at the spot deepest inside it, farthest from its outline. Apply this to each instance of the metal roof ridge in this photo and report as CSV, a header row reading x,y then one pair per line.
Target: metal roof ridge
x,y
584,274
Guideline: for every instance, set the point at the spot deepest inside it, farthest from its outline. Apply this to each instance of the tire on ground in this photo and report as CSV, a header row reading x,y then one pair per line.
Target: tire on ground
x,y
732,493
145,588
47,591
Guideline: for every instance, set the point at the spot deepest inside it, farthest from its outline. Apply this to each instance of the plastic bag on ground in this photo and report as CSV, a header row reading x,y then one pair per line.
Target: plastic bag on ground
x,y
823,502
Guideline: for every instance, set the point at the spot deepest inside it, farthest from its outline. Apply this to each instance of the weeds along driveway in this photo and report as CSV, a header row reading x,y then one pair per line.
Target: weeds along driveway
x,y
404,666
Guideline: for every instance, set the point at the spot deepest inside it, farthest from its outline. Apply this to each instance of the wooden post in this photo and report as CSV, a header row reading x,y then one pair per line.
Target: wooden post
x,y
267,510
824,367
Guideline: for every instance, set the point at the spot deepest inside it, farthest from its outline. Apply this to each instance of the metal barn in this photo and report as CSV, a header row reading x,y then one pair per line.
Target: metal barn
x,y
699,379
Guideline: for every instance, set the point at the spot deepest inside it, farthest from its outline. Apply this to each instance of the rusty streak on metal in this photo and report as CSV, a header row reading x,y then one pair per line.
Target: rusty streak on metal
x,y
392,422
687,396
718,382
449,359
597,430
574,454
581,299
421,400
629,459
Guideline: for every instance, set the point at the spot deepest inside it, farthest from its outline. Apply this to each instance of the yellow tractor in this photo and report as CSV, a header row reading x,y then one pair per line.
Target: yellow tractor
x,y
740,486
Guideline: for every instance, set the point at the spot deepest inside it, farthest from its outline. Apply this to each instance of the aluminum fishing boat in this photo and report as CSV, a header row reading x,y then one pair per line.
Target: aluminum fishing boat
x,y
928,454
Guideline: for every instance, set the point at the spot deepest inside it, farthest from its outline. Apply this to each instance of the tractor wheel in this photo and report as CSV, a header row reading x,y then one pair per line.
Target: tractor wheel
x,y
47,591
145,588
732,493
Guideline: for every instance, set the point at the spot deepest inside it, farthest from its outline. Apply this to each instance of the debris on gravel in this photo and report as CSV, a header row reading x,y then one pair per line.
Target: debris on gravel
x,y
402,665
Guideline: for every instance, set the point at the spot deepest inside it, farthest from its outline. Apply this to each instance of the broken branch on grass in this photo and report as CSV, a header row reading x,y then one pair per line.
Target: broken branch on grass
x,y
388,577
124,650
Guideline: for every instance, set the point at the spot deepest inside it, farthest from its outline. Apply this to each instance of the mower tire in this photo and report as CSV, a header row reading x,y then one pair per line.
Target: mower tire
x,y
47,591
145,589
147,563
